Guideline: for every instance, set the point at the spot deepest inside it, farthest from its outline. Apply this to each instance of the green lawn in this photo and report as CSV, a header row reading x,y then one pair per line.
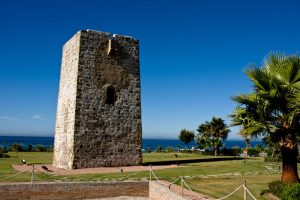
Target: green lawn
x,y
154,157
6,168
212,178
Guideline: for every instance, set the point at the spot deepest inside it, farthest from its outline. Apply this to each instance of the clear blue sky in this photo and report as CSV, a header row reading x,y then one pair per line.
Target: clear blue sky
x,y
192,55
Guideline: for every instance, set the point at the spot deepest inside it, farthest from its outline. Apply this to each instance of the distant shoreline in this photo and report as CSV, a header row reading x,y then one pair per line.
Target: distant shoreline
x,y
146,143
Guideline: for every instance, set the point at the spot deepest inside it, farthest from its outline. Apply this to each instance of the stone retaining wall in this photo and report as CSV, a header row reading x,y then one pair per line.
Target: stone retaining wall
x,y
86,190
75,190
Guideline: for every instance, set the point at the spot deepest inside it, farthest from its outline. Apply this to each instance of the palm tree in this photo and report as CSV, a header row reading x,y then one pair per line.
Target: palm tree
x,y
247,141
273,108
219,131
203,138
213,134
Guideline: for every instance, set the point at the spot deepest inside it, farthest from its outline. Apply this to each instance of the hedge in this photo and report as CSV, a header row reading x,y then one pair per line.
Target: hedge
x,y
285,191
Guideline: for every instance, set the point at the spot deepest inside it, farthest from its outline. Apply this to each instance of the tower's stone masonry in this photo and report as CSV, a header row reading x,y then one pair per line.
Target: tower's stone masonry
x,y
98,120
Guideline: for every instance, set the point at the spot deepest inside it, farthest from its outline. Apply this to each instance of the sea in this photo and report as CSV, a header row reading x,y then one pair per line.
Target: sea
x,y
146,143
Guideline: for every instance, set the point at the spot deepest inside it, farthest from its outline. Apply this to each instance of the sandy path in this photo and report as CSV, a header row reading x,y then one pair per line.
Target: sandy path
x,y
59,171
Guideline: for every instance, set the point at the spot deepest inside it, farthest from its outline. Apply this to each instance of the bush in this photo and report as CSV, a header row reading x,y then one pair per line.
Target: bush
x,y
169,149
50,149
275,158
253,152
159,149
40,148
29,147
3,153
16,147
230,152
148,150
285,191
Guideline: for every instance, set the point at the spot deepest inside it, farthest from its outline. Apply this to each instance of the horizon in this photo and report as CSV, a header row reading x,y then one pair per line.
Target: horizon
x,y
192,56
147,138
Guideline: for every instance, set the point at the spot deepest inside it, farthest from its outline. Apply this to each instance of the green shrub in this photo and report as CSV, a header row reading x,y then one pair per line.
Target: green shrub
x,y
148,150
3,153
16,147
40,148
285,191
49,149
29,147
159,148
230,152
275,158
253,152
169,149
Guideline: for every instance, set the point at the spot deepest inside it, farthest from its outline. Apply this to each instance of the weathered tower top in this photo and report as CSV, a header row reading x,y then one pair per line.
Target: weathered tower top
x,y
98,121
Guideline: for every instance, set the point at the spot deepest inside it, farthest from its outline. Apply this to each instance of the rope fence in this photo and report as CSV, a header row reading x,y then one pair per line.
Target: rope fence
x,y
183,183
32,175
12,175
152,174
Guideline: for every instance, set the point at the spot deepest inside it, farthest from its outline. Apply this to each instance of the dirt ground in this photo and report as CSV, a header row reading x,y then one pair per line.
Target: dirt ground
x,y
58,171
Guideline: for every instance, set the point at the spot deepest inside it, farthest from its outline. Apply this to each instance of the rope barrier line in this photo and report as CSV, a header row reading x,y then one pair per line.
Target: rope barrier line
x,y
12,175
175,181
197,195
131,174
231,193
245,188
159,180
180,177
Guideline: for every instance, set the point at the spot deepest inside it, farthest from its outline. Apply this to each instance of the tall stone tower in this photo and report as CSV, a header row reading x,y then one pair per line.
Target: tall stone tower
x,y
98,121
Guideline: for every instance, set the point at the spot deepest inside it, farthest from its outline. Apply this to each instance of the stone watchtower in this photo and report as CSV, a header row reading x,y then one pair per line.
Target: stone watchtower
x,y
98,121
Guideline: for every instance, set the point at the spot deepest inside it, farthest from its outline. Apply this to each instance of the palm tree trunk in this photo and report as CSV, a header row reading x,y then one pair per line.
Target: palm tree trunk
x,y
217,150
289,165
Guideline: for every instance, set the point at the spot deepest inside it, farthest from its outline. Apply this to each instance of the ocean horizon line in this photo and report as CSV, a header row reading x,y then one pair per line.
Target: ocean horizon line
x,y
147,138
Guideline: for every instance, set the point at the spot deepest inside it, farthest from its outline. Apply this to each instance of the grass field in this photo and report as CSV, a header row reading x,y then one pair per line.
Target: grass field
x,y
155,157
215,179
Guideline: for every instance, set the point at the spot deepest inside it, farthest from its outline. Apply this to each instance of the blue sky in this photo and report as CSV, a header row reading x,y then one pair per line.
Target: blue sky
x,y
192,55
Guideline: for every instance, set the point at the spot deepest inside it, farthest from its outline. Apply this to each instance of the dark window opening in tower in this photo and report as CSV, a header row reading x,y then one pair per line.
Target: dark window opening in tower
x,y
111,96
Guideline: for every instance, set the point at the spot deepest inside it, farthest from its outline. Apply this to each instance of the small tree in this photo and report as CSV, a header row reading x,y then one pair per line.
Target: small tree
x,y
186,136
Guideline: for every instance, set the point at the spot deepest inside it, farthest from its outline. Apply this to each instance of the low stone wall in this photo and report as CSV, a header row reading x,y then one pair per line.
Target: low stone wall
x,y
74,190
159,192
86,190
